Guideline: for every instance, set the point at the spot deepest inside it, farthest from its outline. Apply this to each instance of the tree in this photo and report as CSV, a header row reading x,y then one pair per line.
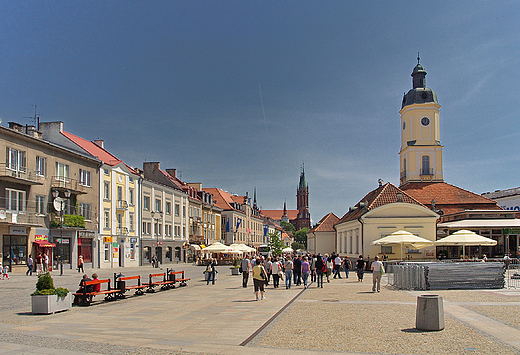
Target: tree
x,y
295,246
275,243
301,236
288,227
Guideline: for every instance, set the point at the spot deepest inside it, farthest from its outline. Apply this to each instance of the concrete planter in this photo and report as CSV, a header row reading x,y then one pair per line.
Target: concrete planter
x,y
48,304
235,271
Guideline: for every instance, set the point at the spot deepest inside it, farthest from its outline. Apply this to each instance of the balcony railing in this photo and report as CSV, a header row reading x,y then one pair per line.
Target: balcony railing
x,y
26,214
426,172
122,231
63,183
20,175
121,205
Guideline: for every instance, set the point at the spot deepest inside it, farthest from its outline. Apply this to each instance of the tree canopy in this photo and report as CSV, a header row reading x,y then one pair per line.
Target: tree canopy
x,y
275,243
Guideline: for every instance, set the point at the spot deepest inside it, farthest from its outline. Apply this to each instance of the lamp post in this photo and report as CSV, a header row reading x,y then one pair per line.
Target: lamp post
x,y
159,217
59,205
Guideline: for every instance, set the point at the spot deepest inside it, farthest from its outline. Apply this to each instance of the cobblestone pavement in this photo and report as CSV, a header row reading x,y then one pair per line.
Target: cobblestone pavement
x,y
343,317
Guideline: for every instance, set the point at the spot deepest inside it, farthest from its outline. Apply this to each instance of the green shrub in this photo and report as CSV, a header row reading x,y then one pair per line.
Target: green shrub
x,y
45,286
45,282
70,220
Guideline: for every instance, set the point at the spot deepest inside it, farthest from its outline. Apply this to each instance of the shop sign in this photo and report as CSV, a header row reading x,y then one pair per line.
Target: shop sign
x,y
3,215
85,234
43,238
107,239
115,244
133,240
511,231
18,230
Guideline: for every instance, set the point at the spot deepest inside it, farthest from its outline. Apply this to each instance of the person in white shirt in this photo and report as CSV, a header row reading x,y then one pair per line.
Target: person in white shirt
x,y
337,265
377,267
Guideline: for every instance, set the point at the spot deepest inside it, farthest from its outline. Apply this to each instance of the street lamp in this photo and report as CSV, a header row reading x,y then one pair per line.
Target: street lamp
x,y
59,205
159,217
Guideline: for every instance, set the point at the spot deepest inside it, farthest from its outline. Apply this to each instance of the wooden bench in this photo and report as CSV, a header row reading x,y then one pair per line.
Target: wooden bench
x,y
182,280
86,297
120,283
165,284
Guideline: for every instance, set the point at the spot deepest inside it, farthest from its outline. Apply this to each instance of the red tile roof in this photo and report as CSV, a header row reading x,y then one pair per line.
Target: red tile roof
x,y
221,199
448,197
383,195
277,214
326,224
93,149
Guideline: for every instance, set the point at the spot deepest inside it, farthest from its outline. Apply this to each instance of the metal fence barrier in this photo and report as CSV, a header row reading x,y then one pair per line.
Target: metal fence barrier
x,y
453,275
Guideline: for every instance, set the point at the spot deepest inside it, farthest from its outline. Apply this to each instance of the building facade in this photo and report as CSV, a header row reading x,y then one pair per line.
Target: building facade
x,y
49,196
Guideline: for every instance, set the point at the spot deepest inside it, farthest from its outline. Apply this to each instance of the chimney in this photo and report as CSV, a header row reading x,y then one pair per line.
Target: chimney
x,y
33,132
100,143
16,126
172,172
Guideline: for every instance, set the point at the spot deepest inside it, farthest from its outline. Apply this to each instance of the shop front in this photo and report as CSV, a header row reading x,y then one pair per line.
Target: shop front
x,y
86,245
15,249
166,252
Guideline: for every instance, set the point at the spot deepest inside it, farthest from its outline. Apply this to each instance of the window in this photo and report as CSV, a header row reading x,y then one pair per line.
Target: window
x,y
120,193
131,196
15,160
426,165
149,228
15,200
130,179
183,211
106,172
386,249
62,171
177,209
107,252
168,208
146,203
40,204
106,190
107,219
131,221
84,177
158,205
85,210
119,220
41,166
144,228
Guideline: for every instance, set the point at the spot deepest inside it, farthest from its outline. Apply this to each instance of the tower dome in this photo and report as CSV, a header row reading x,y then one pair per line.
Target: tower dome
x,y
419,94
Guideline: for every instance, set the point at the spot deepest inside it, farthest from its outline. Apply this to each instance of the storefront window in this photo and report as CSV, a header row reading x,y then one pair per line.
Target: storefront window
x,y
85,249
107,252
15,250
132,251
147,254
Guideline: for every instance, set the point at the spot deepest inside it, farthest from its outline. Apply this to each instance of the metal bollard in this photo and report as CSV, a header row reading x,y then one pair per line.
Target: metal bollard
x,y
430,313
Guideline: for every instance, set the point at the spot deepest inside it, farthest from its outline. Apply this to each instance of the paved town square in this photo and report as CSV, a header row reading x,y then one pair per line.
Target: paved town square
x,y
342,317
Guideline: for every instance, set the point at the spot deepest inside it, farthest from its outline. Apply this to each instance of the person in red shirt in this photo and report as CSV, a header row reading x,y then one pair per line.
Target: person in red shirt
x,y
97,287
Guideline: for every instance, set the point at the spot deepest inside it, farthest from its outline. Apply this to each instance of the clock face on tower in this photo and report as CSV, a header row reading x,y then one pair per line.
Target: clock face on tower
x,y
425,121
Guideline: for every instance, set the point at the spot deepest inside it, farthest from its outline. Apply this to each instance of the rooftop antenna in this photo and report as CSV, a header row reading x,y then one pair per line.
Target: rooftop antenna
x,y
36,118
418,58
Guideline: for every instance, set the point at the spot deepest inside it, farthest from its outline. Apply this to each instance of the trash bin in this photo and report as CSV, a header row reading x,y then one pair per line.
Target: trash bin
x,y
121,285
170,276
430,313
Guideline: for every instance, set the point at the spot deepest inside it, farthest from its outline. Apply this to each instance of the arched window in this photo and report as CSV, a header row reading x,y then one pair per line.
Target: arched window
x,y
426,165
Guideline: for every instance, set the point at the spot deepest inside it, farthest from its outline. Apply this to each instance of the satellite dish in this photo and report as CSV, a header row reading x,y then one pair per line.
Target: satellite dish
x,y
58,201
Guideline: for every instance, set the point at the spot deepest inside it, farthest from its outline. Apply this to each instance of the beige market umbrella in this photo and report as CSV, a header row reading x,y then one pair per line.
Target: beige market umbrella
x,y
409,240
242,248
464,238
217,248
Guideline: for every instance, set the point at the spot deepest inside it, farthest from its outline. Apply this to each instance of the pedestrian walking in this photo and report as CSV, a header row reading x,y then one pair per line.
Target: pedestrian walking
x,y
30,264
45,262
80,264
39,264
321,268
306,269
5,272
245,267
259,278
337,266
288,266
268,265
377,271
330,265
312,261
211,271
276,270
347,265
297,271
360,268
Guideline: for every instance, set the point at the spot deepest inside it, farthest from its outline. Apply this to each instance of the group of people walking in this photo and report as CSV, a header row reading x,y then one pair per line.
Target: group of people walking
x,y
302,269
41,264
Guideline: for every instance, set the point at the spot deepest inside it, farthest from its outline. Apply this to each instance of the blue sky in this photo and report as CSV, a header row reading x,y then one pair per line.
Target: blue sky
x,y
238,94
